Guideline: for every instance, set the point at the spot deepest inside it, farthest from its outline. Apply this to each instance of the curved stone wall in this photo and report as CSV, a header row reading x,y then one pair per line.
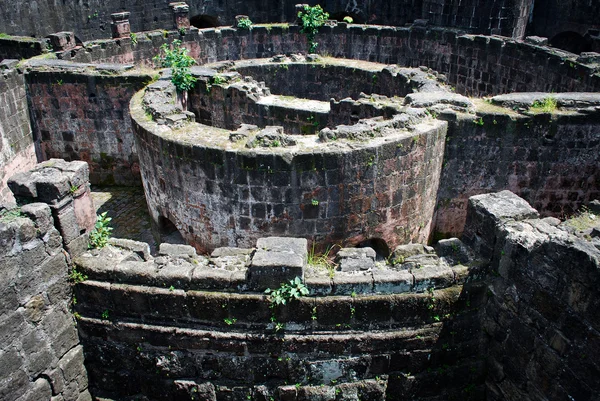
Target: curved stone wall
x,y
375,179
474,65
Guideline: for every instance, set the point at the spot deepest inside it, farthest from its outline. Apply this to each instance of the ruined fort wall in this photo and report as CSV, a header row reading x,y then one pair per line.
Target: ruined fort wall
x,y
41,357
549,160
91,20
474,65
541,318
17,150
83,115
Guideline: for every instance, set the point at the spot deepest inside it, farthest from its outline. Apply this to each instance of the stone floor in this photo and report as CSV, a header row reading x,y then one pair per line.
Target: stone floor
x,y
129,212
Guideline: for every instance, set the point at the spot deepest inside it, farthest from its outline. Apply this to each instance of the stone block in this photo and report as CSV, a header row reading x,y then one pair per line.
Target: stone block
x,y
404,251
40,390
120,26
348,283
436,276
485,211
62,41
277,261
392,281
40,214
207,278
142,249
176,250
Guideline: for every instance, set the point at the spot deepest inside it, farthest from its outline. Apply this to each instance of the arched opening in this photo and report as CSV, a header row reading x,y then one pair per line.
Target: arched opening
x,y
379,245
204,21
168,231
339,16
571,42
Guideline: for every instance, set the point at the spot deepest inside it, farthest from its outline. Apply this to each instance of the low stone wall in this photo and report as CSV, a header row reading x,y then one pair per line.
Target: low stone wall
x,y
21,47
541,320
550,159
376,179
475,65
17,150
79,112
193,325
40,355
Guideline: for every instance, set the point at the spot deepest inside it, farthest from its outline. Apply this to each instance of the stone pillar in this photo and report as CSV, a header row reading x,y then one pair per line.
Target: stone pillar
x,y
64,186
62,41
181,15
120,25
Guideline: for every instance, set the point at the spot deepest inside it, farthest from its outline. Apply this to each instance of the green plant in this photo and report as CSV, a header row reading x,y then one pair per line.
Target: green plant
x,y
312,19
229,320
348,19
171,288
176,57
182,31
313,313
478,121
546,105
244,23
134,38
73,189
314,202
105,315
287,292
101,232
76,276
322,259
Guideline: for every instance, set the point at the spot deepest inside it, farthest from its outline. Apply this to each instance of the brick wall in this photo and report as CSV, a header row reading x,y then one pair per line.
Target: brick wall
x,y
17,151
84,116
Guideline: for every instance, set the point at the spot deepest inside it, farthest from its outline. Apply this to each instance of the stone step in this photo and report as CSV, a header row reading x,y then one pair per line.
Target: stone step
x,y
234,311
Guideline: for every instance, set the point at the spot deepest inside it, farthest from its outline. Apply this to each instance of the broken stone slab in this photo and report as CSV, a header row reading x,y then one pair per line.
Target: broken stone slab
x,y
536,40
564,100
277,260
230,251
176,250
418,261
452,250
271,137
428,99
589,58
142,249
404,251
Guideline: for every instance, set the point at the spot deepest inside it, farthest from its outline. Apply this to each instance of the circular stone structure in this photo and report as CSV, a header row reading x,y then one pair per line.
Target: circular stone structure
x,y
335,151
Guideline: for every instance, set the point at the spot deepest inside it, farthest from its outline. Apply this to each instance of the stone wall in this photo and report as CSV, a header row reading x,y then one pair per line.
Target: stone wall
x,y
551,160
556,16
20,47
92,19
541,318
194,326
17,150
474,65
40,355
80,113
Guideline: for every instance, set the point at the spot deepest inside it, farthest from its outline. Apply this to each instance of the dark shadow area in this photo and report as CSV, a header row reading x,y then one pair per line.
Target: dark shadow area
x,y
571,42
339,16
204,21
379,245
